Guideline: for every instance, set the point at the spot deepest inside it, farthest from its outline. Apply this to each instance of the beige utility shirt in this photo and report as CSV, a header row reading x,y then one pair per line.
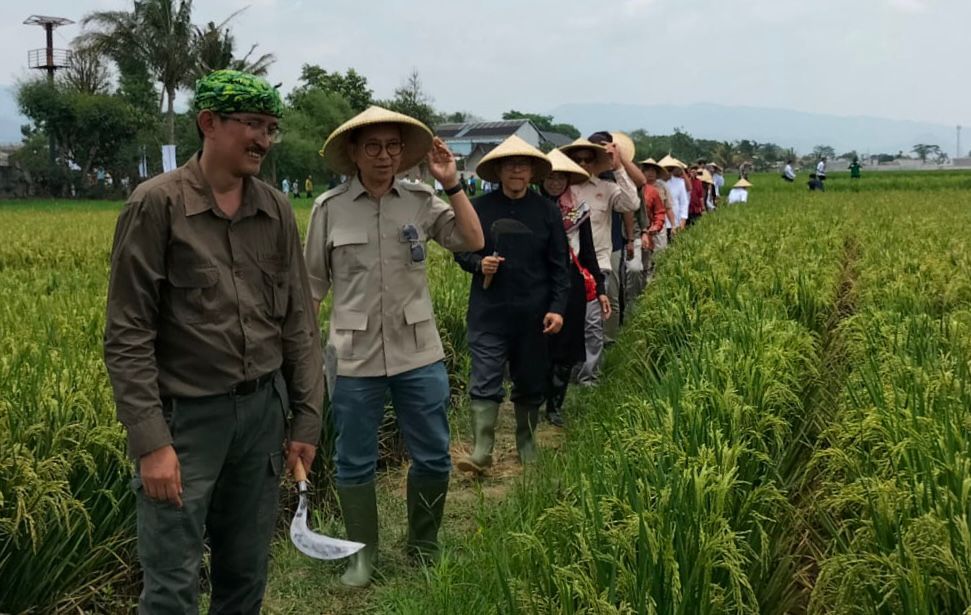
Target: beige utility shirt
x,y
381,320
604,198
198,303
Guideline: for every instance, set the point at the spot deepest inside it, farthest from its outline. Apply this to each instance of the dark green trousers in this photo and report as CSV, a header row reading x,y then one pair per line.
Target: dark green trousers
x,y
230,450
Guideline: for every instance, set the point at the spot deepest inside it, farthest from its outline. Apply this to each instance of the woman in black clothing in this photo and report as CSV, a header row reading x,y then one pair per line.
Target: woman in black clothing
x,y
587,297
518,297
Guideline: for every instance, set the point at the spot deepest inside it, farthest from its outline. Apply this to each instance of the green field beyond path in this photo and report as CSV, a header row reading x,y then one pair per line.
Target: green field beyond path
x,y
782,429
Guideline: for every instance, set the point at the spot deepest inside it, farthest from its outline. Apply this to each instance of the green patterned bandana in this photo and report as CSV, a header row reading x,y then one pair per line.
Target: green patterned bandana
x,y
232,91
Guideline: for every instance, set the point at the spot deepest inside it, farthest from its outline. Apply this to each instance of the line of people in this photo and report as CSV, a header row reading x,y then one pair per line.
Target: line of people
x,y
213,347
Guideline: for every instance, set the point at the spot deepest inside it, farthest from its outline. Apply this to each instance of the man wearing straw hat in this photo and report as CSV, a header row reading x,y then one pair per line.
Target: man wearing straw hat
x,y
367,241
520,284
739,192
653,235
678,188
211,345
655,175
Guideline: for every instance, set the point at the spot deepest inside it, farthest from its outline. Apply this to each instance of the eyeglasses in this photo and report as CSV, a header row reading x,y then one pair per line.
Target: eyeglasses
x,y
373,148
272,130
409,233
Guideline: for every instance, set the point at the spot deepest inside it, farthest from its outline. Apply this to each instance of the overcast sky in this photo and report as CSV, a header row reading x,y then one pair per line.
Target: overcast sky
x,y
901,59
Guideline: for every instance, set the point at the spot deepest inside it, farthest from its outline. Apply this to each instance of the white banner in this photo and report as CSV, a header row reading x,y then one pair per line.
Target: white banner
x,y
168,158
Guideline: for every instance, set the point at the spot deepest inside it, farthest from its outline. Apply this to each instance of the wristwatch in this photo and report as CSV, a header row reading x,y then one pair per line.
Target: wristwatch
x,y
454,189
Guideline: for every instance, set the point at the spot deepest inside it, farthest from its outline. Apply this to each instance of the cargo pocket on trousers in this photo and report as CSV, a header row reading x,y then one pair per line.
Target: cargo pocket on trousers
x,y
419,315
162,536
269,502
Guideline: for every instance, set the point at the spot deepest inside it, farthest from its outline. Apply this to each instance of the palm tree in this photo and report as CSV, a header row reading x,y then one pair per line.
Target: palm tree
x,y
160,32
215,47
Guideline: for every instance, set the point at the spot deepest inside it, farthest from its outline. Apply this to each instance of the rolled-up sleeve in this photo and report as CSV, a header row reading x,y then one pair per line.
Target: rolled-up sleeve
x,y
625,199
303,367
316,254
137,270
442,227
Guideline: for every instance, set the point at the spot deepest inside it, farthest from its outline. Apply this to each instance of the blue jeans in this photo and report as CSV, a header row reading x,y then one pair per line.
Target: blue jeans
x,y
420,399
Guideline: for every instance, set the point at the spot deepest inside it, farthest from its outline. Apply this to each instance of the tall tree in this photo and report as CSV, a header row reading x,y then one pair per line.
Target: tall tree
x,y
924,151
215,48
821,151
88,128
159,32
411,99
87,72
352,86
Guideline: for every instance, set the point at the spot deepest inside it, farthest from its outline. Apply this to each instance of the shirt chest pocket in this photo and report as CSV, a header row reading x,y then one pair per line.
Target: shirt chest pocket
x,y
350,254
194,293
275,286
420,318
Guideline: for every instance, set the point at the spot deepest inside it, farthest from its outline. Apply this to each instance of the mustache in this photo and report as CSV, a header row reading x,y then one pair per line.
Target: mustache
x,y
256,149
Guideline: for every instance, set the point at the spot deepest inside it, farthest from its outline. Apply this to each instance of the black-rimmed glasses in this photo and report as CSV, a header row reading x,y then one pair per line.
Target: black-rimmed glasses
x,y
373,148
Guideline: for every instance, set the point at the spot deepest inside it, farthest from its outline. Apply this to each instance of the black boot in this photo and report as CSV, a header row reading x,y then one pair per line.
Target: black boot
x,y
426,504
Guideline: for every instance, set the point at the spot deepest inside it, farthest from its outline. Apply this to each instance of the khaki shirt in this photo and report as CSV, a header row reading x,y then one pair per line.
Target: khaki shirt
x,y
381,320
604,198
198,303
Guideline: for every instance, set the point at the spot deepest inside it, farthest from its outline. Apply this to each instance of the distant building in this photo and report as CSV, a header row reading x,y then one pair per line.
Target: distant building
x,y
473,140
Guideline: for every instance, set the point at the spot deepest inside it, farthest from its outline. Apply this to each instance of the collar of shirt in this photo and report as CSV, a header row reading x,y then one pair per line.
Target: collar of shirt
x,y
357,189
198,194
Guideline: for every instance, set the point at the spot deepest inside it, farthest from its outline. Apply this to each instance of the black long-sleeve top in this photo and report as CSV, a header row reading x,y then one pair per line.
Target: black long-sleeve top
x,y
534,279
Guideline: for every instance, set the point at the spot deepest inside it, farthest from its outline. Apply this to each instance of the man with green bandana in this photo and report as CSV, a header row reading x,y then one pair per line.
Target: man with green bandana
x,y
213,353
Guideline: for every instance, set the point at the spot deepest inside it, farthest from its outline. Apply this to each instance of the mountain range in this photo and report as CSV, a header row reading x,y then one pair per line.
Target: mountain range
x,y
787,128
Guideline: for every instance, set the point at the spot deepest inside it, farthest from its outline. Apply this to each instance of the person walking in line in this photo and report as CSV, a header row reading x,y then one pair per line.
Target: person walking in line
x,y
518,297
587,303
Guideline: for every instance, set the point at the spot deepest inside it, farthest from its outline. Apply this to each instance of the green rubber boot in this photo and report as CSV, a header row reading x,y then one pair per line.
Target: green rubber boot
x,y
484,413
527,416
359,507
426,504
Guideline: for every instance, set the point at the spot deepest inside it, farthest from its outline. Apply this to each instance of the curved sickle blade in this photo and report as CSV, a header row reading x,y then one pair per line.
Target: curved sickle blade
x,y
317,545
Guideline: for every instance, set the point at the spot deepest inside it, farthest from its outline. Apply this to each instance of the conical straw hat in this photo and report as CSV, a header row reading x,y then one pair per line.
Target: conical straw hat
x,y
706,177
742,183
602,162
662,173
625,145
488,167
562,164
670,161
417,139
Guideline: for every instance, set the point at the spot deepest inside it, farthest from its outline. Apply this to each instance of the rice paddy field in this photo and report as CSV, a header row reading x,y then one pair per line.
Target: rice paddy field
x,y
784,427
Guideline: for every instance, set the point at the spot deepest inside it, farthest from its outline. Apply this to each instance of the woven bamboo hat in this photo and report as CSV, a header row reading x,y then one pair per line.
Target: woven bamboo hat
x,y
706,177
488,167
742,183
625,145
669,162
562,164
602,162
662,173
417,139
